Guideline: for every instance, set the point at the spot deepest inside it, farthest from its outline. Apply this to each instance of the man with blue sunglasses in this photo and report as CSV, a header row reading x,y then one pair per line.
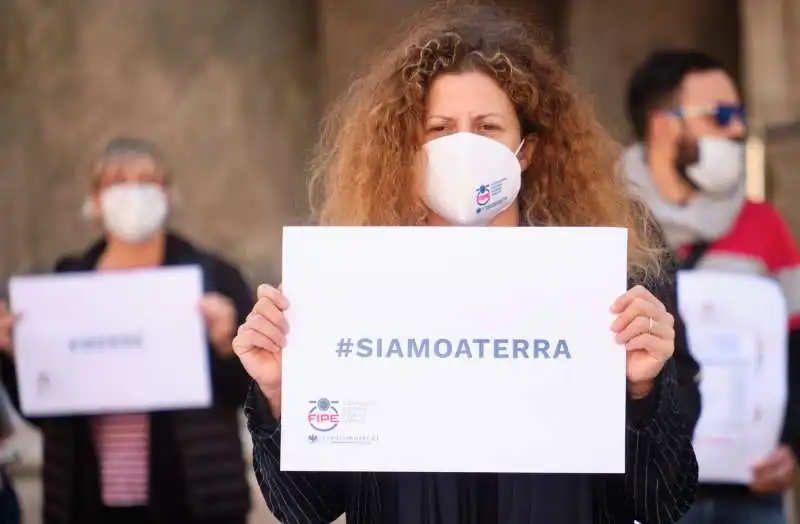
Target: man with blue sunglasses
x,y
688,165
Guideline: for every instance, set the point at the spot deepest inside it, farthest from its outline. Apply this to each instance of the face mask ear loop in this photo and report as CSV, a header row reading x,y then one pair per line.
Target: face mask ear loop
x,y
516,153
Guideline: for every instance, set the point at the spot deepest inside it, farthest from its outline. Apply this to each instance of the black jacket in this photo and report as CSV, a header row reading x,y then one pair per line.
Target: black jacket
x,y
658,487
197,470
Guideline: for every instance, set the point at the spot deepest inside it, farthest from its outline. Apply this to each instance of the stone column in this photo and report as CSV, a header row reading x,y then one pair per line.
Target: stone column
x,y
771,65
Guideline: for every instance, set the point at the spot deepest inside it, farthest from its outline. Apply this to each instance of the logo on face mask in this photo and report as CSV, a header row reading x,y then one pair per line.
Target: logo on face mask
x,y
484,196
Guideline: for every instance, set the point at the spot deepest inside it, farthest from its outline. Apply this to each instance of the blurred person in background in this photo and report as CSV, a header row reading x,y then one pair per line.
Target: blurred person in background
x,y
471,93
9,502
689,166
165,467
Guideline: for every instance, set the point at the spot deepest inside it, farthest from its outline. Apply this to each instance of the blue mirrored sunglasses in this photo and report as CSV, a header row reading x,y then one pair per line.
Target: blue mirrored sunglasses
x,y
723,114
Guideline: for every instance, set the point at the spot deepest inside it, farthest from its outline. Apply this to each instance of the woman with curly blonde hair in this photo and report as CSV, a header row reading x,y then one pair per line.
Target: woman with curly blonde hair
x,y
470,95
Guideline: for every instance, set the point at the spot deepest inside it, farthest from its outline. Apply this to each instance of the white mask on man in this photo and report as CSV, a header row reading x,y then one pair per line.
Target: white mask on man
x,y
470,179
134,212
720,166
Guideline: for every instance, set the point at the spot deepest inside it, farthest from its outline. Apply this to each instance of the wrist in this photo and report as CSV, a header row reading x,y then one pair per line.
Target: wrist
x,y
272,395
639,390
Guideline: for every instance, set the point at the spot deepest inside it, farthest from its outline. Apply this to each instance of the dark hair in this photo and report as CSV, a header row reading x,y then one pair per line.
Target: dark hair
x,y
655,81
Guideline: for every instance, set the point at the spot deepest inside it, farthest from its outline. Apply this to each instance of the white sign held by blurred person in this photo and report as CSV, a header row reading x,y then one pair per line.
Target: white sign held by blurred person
x,y
737,330
105,342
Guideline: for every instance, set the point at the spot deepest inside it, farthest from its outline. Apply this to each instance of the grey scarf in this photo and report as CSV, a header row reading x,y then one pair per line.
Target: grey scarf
x,y
702,219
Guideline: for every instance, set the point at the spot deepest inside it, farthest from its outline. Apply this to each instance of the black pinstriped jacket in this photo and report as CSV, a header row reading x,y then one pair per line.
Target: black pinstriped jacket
x,y
658,487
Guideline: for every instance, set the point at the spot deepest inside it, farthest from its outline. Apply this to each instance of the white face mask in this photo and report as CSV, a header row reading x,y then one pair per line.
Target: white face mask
x,y
470,179
134,212
720,167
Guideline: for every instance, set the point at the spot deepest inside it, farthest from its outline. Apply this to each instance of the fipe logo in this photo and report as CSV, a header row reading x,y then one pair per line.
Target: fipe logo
x,y
323,415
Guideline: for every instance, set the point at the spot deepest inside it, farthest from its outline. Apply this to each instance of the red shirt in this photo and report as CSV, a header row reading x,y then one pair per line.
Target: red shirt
x,y
759,243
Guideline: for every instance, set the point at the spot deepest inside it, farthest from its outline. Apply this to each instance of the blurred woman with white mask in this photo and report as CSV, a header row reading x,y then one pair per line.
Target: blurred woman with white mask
x,y
161,467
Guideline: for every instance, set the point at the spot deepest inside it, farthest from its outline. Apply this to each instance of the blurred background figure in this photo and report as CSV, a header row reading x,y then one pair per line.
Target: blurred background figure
x,y
165,467
689,166
9,502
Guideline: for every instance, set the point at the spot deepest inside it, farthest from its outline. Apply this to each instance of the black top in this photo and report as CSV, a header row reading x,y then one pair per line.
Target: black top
x,y
197,467
658,487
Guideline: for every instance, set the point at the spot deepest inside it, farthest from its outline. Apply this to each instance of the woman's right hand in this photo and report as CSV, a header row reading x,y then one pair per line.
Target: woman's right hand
x,y
6,324
260,342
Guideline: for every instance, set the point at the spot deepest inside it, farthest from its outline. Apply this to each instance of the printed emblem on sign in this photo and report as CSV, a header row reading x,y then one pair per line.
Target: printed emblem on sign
x,y
484,196
323,415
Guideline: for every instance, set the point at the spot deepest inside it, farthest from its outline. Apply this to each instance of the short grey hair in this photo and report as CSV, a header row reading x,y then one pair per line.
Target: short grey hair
x,y
128,147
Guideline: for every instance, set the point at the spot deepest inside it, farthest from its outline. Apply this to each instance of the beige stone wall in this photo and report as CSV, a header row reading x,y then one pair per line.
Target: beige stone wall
x,y
350,34
353,31
233,91
227,87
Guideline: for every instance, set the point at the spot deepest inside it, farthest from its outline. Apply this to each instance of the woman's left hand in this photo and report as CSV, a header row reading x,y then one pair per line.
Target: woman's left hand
x,y
647,330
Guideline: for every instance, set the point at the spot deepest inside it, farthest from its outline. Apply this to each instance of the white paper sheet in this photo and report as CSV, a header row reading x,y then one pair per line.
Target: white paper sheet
x,y
456,414
737,330
110,341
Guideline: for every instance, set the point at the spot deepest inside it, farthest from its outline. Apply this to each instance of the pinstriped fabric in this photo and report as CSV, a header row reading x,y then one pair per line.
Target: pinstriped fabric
x,y
658,488
661,479
294,497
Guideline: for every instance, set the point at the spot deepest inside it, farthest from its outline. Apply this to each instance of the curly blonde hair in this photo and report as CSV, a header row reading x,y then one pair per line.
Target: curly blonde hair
x,y
365,169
